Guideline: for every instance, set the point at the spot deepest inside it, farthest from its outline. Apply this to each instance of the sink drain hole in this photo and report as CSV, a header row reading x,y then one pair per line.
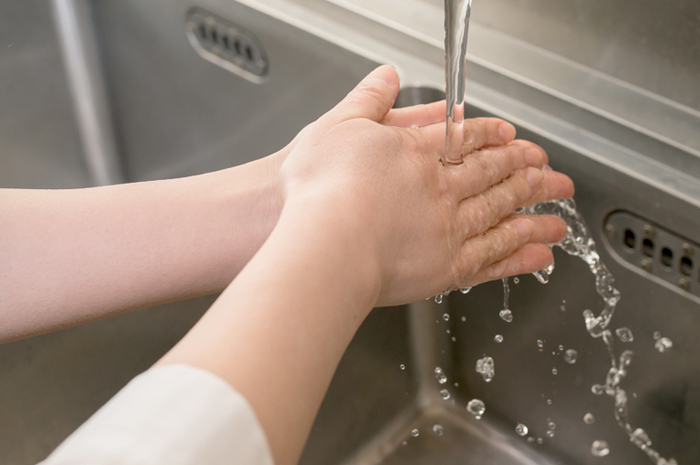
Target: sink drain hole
x,y
227,45
666,257
630,239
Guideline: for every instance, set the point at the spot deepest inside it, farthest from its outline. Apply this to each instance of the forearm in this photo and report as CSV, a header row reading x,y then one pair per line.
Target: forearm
x,y
73,256
279,331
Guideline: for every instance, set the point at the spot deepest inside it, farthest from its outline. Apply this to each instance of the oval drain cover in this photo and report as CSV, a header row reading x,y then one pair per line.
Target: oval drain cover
x,y
228,45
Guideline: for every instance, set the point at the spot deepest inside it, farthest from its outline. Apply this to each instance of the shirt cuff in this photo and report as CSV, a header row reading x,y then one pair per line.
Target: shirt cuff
x,y
169,415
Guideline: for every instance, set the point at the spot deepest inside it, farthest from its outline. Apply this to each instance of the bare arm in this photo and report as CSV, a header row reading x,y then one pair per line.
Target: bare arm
x,y
370,218
72,256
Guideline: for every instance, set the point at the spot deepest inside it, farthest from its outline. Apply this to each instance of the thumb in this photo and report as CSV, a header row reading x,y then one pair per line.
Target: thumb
x,y
371,99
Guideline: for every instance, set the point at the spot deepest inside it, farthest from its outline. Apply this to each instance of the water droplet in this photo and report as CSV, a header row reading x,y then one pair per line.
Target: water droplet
x,y
446,317
415,433
551,425
404,443
570,356
465,290
402,366
542,276
625,334
445,394
521,429
438,298
516,280
540,440
440,375
456,384
550,434
549,401
663,461
562,308
464,318
640,438
589,419
454,339
657,335
438,429
485,366
561,347
663,344
598,389
530,439
600,448
506,315
554,371
447,331
540,343
498,338
476,408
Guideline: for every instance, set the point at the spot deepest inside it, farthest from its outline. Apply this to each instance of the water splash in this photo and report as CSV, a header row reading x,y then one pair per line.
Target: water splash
x,y
570,356
476,407
486,368
506,293
506,315
663,344
600,448
521,429
579,243
440,375
624,334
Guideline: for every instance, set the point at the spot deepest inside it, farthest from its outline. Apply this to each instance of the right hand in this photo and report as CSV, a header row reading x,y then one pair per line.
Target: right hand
x,y
424,227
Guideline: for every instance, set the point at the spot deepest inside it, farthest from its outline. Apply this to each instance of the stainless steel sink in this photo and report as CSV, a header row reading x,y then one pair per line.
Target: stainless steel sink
x,y
175,113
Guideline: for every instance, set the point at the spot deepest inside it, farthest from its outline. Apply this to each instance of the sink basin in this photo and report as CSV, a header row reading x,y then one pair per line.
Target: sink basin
x,y
176,114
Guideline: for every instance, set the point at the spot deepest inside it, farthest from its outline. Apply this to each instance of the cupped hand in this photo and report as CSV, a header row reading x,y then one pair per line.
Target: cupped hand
x,y
425,227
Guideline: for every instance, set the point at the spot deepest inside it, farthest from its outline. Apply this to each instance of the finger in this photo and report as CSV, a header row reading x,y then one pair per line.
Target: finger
x,y
481,212
486,132
527,259
488,167
554,186
483,132
416,116
371,99
504,239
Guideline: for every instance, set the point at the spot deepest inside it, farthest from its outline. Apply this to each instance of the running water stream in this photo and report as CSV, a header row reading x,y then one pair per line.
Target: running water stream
x,y
578,242
457,14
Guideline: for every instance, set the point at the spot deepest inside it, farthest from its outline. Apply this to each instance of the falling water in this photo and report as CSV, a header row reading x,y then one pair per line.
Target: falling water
x,y
457,13
578,242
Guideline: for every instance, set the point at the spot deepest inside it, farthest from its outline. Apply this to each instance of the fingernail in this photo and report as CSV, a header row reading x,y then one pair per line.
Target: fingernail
x,y
507,131
386,74
534,176
533,156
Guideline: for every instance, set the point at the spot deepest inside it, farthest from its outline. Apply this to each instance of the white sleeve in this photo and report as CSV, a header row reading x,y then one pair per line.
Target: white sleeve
x,y
169,415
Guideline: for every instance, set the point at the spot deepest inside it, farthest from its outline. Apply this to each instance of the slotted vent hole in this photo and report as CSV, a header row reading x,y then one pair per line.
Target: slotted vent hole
x,y
666,256
686,266
630,238
648,247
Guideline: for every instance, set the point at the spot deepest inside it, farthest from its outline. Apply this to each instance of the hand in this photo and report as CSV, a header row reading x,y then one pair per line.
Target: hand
x,y
427,227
